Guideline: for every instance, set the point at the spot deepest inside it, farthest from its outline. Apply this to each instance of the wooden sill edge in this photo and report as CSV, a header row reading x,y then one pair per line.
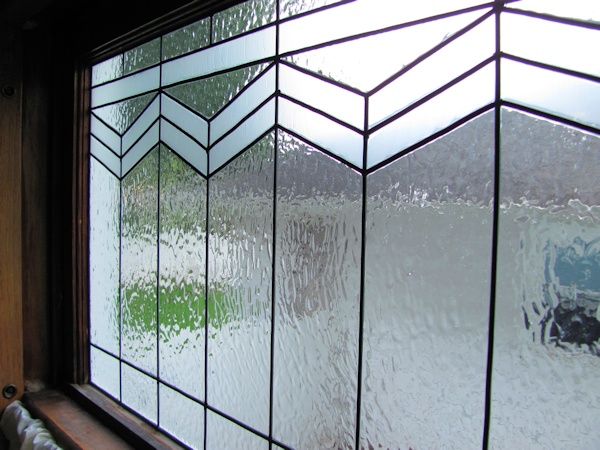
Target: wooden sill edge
x,y
81,417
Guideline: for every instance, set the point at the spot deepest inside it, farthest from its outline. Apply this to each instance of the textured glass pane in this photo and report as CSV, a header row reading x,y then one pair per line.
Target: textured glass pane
x,y
107,70
289,8
252,47
186,39
253,96
428,256
182,274
181,417
366,62
105,134
121,115
357,17
588,10
338,102
104,257
139,392
547,338
126,87
322,131
185,119
105,155
138,273
139,150
551,43
184,146
563,95
223,434
240,248
317,298
463,98
104,371
243,17
143,56
251,129
453,60
141,124
209,95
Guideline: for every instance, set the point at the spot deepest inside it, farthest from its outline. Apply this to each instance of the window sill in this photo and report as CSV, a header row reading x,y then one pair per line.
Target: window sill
x,y
80,417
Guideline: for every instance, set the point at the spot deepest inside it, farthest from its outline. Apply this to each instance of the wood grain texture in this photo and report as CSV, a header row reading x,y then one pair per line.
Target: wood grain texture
x,y
11,332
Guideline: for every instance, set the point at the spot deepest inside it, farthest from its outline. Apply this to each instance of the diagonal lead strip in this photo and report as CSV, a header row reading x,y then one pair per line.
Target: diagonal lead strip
x,y
126,87
106,156
186,119
105,134
143,122
184,146
136,153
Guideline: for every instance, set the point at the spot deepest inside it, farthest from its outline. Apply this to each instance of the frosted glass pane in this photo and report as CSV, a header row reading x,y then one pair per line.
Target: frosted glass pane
x,y
139,263
185,119
141,124
181,417
428,256
104,257
446,64
208,95
142,56
563,95
225,435
588,10
130,86
105,155
121,115
137,152
551,43
357,17
289,8
322,131
246,16
182,274
317,298
105,134
107,70
547,335
240,248
365,63
441,111
248,131
184,146
242,105
331,99
246,49
186,39
139,392
104,371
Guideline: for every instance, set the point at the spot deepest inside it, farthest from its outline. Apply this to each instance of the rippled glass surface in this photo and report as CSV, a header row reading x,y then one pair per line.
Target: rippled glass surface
x,y
288,8
208,95
546,353
240,248
142,56
428,258
223,434
121,115
126,87
317,298
104,372
243,17
139,392
182,274
366,62
181,417
104,257
186,39
139,263
107,70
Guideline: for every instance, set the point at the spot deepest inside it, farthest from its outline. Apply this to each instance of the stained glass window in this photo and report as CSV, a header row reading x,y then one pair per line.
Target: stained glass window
x,y
352,224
